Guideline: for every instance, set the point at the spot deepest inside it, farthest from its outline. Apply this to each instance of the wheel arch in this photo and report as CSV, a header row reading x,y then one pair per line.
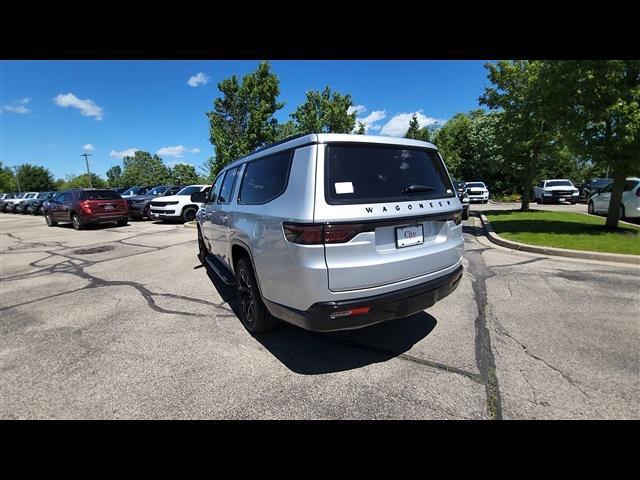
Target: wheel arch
x,y
240,249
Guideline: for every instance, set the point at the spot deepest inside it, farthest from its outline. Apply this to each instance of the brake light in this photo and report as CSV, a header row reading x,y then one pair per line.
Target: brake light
x,y
312,234
303,234
85,206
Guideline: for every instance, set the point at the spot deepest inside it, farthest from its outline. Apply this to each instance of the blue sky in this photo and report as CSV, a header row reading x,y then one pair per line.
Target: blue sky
x,y
53,111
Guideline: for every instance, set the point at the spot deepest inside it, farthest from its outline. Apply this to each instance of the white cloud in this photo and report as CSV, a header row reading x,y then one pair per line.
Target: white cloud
x,y
124,153
18,106
175,151
198,79
87,107
398,125
195,150
370,120
357,108
173,163
88,147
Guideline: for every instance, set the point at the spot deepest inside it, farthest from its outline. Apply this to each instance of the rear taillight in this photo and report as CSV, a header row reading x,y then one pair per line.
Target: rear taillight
x,y
311,234
303,234
85,206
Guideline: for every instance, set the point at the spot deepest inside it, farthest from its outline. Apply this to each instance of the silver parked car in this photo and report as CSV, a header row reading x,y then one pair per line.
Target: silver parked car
x,y
333,231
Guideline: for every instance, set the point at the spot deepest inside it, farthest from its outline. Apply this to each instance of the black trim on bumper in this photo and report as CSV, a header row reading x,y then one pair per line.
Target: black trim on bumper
x,y
387,306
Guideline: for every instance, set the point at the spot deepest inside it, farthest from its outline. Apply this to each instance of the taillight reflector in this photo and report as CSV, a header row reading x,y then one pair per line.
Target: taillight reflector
x,y
311,234
350,313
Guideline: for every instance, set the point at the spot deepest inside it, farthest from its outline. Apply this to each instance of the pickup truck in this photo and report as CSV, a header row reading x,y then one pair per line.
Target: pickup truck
x,y
556,190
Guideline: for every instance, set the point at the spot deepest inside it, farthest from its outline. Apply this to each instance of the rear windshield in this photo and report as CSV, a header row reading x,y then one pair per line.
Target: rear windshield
x,y
189,190
99,195
476,185
363,174
630,185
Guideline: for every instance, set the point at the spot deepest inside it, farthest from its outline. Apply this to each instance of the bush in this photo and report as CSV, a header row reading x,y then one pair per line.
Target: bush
x,y
514,197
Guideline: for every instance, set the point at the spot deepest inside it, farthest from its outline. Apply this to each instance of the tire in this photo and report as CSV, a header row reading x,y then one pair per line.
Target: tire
x,y
622,213
122,223
465,213
145,213
189,214
77,222
50,221
253,314
202,248
590,209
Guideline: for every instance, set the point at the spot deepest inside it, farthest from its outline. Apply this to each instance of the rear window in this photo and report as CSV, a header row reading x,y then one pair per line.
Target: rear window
x,y
99,195
265,179
189,190
630,185
559,183
364,174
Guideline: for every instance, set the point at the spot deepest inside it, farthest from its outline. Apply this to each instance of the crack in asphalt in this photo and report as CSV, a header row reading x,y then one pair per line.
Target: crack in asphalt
x,y
78,269
567,378
485,360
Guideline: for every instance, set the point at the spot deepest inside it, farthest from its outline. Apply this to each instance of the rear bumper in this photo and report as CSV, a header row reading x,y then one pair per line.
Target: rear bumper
x,y
104,218
387,306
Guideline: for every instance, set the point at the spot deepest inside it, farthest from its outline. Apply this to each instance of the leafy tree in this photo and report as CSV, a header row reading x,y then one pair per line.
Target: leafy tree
x,y
144,168
242,118
416,132
325,112
597,104
526,132
34,178
7,182
286,130
361,130
82,181
114,176
184,174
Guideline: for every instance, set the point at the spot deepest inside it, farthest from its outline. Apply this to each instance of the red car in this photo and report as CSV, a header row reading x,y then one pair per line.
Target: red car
x,y
82,207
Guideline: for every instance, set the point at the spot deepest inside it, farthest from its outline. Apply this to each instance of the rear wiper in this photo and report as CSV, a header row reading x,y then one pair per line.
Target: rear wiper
x,y
417,189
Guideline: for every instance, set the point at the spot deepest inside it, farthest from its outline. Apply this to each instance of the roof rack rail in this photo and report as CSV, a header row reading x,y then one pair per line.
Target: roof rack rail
x,y
264,147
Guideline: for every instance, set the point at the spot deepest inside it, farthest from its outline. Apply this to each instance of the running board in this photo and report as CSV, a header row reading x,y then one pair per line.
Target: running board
x,y
213,264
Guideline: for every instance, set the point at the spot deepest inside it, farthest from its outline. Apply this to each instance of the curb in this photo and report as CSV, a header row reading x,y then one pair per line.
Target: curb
x,y
190,225
562,252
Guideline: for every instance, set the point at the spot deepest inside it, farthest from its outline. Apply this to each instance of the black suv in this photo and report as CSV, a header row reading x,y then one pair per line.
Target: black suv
x,y
461,190
139,205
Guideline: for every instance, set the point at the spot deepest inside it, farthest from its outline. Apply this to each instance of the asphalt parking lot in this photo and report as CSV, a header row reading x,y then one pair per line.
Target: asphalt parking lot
x,y
124,322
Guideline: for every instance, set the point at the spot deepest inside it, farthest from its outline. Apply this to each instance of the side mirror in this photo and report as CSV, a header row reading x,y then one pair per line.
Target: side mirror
x,y
199,197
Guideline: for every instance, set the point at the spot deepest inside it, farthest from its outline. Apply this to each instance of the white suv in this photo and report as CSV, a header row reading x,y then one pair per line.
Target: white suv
x,y
334,231
477,192
178,206
630,208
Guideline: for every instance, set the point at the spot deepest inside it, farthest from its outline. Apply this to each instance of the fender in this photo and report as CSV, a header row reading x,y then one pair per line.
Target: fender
x,y
242,244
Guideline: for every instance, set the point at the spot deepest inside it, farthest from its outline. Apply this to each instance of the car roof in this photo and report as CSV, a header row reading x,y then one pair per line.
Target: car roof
x,y
299,141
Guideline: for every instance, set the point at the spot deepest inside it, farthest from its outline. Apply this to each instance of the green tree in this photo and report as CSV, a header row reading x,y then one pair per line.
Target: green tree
x,y
286,130
597,104
82,181
361,130
7,182
325,112
143,168
34,178
416,132
184,174
242,118
526,134
114,176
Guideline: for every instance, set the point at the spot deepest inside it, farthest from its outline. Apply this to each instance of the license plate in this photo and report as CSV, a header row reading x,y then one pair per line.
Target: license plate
x,y
108,207
408,236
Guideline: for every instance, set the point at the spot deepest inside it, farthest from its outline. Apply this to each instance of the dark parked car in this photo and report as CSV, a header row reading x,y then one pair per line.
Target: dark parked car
x,y
591,187
139,205
134,191
82,207
461,190
34,205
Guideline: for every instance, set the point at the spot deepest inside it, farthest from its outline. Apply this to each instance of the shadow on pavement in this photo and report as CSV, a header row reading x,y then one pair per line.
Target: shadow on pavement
x,y
311,353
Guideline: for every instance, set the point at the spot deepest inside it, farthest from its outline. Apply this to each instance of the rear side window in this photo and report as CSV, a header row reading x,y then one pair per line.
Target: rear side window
x,y
375,173
227,186
265,179
99,195
630,185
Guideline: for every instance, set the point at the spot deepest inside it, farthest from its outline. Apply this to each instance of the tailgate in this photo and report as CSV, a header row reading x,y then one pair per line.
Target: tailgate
x,y
376,257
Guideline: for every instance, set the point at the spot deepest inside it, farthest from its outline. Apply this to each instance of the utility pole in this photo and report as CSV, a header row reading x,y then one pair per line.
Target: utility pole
x,y
17,179
86,159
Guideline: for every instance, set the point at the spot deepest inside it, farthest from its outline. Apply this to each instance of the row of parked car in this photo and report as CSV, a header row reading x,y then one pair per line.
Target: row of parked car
x,y
85,206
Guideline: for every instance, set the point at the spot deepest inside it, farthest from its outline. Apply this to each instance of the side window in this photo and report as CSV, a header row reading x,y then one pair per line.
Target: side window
x,y
608,188
227,186
265,179
174,190
215,189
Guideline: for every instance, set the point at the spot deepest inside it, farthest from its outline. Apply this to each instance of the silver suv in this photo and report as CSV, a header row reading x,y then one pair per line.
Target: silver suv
x,y
333,231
